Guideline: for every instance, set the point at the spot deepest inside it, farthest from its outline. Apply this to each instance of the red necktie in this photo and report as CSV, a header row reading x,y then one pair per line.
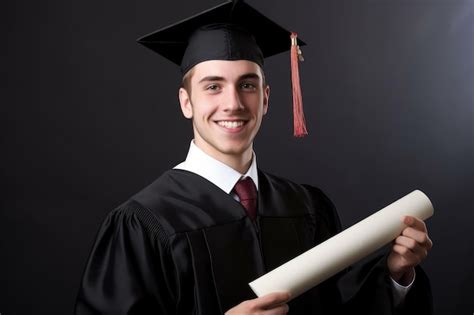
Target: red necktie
x,y
247,193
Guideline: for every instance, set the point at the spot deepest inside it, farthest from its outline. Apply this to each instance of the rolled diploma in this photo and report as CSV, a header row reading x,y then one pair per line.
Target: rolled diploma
x,y
342,250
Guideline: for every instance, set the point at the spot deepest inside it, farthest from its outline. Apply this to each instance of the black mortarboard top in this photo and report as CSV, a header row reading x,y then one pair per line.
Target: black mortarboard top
x,y
230,31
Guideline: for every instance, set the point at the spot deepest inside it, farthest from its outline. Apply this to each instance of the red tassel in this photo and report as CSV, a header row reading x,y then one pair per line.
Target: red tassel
x,y
299,123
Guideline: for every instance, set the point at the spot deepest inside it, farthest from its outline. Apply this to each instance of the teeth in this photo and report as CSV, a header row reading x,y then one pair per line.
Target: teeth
x,y
230,124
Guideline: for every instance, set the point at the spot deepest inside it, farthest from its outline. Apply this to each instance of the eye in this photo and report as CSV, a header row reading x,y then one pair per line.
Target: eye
x,y
248,86
212,87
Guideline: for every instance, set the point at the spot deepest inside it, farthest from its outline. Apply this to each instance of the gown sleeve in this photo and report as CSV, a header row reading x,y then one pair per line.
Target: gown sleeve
x,y
365,287
130,269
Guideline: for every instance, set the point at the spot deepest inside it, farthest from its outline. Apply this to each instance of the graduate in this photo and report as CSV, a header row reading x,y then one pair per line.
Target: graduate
x,y
191,241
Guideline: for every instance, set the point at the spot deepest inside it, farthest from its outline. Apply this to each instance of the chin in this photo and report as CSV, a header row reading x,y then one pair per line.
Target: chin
x,y
233,148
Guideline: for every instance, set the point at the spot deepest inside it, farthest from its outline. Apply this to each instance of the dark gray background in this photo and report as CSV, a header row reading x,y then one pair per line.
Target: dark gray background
x,y
89,117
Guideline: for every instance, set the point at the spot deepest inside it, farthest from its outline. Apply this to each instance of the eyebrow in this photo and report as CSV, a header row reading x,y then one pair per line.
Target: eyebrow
x,y
214,78
211,78
251,75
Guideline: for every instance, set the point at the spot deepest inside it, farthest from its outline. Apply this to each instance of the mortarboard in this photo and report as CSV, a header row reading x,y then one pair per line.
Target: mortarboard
x,y
232,30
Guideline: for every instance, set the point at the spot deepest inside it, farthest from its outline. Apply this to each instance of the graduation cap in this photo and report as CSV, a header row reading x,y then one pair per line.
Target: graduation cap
x,y
230,31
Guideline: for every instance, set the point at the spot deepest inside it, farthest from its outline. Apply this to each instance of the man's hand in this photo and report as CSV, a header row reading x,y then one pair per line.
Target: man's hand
x,y
408,250
270,304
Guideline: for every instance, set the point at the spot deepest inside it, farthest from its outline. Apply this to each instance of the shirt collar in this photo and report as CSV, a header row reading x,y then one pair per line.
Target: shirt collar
x,y
218,173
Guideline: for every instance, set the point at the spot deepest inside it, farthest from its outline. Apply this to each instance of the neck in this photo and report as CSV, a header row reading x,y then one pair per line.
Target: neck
x,y
238,161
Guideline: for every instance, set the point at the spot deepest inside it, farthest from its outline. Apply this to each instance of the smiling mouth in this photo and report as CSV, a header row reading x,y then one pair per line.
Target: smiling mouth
x,y
228,124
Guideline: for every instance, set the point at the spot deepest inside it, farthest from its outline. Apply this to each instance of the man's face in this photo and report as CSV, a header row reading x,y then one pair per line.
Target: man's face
x,y
227,103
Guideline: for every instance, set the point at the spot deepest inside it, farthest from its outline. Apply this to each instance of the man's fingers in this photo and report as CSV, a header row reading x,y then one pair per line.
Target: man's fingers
x,y
270,304
410,248
417,230
272,299
408,258
279,310
414,223
421,237
408,242
412,245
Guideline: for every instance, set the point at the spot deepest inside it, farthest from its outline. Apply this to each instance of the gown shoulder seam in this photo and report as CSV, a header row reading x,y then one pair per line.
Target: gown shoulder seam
x,y
149,222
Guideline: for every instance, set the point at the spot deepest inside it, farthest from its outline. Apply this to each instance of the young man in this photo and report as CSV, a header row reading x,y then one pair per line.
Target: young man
x,y
192,241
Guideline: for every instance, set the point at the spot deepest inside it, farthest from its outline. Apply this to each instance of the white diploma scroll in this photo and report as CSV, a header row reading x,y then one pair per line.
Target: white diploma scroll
x,y
342,250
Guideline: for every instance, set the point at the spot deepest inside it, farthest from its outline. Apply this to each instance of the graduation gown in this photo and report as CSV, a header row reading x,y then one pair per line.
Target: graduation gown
x,y
184,246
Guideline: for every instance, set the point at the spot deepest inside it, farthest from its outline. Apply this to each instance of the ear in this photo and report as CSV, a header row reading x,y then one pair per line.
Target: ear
x,y
185,103
266,96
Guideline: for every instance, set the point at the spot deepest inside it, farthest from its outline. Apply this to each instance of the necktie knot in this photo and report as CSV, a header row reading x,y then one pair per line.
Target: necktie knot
x,y
247,193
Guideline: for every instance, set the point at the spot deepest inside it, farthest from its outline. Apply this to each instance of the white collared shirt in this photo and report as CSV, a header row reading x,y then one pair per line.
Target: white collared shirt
x,y
218,173
225,177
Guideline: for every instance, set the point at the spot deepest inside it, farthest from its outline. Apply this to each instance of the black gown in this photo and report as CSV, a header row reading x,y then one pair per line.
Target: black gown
x,y
184,246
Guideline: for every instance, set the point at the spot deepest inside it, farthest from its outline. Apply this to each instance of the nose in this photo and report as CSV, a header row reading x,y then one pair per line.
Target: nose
x,y
232,100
